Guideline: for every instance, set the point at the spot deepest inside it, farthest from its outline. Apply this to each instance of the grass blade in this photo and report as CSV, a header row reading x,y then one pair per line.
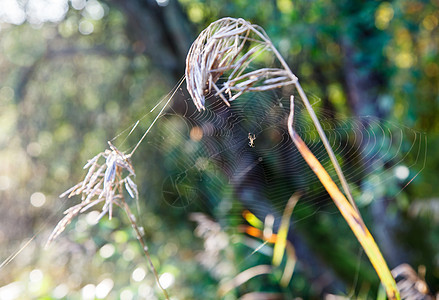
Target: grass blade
x,y
281,241
351,215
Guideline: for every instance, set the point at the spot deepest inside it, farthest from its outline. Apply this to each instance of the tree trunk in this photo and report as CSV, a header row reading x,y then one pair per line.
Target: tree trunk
x,y
162,33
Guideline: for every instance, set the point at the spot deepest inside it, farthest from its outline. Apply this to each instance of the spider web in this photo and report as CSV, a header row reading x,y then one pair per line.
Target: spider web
x,y
244,152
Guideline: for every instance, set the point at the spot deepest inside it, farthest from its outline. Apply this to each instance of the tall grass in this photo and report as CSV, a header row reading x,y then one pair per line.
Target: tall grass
x,y
228,47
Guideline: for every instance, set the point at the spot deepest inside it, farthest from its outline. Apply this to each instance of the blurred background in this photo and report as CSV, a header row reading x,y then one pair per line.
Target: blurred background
x,y
76,73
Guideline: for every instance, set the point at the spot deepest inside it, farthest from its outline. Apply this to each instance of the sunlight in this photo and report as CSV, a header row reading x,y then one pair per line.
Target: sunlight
x,y
104,288
40,11
95,10
402,172
37,199
11,12
11,291
60,291
107,250
166,280
138,274
89,291
35,11
162,2
86,27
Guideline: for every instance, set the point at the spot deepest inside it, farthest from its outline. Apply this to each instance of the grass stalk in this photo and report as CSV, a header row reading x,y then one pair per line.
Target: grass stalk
x,y
314,119
139,236
351,215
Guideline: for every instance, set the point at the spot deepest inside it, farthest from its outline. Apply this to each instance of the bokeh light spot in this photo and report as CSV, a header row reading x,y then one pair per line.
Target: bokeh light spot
x,y
196,13
104,288
92,217
404,60
85,27
145,291
11,291
88,292
37,199
40,11
78,4
166,280
402,172
139,274
120,237
60,291
285,6
107,251
94,9
126,295
11,12
430,22
36,275
196,134
383,15
162,2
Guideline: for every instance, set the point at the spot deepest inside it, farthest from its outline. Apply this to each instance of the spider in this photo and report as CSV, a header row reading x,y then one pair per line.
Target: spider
x,y
251,139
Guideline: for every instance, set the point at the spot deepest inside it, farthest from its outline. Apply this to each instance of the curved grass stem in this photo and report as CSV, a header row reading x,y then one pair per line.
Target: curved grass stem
x,y
351,216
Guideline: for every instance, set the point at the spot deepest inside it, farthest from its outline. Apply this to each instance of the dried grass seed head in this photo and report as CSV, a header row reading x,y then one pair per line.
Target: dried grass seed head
x,y
104,182
229,46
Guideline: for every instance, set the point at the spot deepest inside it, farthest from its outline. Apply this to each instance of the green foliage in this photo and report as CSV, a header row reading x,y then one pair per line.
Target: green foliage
x,y
64,93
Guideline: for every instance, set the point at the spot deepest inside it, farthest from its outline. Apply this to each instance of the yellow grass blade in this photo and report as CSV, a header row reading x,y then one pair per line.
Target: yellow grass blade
x,y
252,219
281,241
351,216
